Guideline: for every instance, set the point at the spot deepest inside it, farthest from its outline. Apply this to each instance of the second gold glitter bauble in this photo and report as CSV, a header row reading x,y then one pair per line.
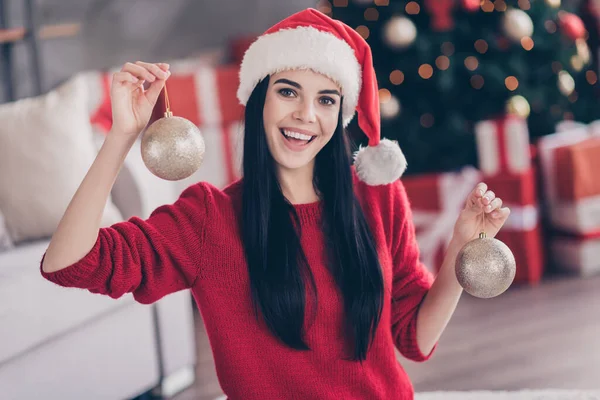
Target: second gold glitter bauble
x,y
172,148
485,267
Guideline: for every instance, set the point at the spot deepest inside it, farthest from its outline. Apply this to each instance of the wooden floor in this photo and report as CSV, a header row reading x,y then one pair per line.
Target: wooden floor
x,y
546,336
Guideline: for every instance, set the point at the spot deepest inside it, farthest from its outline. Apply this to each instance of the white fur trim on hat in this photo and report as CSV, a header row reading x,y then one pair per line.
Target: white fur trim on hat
x,y
303,48
381,164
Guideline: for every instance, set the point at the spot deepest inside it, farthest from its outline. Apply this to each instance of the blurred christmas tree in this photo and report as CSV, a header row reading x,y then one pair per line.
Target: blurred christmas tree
x,y
443,65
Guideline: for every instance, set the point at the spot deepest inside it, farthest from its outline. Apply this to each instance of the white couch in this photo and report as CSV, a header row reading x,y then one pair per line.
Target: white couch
x,y
58,343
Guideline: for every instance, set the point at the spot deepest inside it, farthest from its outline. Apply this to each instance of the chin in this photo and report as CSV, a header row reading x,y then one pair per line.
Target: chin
x,y
292,161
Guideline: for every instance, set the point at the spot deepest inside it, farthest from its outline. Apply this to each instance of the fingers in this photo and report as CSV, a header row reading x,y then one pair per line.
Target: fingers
x,y
494,205
501,213
488,197
482,199
158,71
145,71
154,91
474,199
134,75
480,189
124,77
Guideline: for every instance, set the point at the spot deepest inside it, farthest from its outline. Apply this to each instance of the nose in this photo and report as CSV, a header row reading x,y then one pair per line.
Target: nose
x,y
305,112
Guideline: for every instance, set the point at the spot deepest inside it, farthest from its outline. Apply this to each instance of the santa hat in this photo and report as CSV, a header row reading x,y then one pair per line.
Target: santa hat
x,y
310,39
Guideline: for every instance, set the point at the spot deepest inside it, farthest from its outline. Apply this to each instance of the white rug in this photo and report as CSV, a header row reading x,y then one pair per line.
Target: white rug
x,y
550,394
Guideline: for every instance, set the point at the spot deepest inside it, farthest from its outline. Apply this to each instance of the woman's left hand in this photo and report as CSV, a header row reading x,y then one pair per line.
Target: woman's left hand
x,y
483,211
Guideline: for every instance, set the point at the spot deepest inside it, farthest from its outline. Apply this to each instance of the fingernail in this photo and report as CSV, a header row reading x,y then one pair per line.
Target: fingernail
x,y
489,208
480,192
486,198
495,213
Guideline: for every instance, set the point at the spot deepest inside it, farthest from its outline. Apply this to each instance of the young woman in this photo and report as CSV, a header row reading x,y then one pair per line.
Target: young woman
x,y
306,271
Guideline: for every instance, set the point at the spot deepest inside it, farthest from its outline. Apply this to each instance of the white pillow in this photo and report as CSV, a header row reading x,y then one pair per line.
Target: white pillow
x,y
46,149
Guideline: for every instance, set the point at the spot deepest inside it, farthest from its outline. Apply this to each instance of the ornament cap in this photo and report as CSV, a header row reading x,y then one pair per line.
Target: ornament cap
x,y
482,235
168,114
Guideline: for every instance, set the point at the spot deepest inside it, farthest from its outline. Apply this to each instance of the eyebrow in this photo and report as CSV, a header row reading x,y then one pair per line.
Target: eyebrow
x,y
297,85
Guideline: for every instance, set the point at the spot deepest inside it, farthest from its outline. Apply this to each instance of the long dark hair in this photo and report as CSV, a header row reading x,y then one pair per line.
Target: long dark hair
x,y
277,266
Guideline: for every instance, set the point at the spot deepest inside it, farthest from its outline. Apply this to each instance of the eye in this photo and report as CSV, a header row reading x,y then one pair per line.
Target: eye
x,y
328,101
286,92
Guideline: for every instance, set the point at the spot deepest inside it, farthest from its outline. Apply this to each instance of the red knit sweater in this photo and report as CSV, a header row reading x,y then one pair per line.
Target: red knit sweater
x,y
195,244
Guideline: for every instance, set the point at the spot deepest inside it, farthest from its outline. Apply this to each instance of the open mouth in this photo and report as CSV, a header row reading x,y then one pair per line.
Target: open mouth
x,y
296,138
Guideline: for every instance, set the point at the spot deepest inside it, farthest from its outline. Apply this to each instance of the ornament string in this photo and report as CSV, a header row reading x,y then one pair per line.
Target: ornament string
x,y
168,112
482,233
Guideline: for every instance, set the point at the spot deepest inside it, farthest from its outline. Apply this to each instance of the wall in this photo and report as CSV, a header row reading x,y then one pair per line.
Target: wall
x,y
116,31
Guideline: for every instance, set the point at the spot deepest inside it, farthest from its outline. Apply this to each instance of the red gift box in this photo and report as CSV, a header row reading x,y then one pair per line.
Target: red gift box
x,y
503,145
238,47
577,170
576,254
436,201
223,157
207,96
522,231
570,161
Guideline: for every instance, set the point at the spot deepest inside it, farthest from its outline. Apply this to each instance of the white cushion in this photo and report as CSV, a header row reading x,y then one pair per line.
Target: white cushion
x,y
526,394
34,310
46,148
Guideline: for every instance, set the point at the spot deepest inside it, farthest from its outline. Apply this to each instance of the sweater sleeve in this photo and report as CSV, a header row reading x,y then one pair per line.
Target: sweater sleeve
x,y
411,279
149,258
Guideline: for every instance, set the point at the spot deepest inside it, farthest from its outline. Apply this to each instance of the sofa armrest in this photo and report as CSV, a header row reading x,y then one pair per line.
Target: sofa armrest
x,y
176,342
137,192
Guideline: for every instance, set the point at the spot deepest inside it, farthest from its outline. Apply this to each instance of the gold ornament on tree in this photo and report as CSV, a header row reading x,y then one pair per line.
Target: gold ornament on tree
x,y
518,105
172,147
390,107
485,267
565,83
583,55
399,32
517,24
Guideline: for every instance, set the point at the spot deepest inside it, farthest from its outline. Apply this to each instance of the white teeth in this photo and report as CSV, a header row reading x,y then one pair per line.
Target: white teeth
x,y
296,135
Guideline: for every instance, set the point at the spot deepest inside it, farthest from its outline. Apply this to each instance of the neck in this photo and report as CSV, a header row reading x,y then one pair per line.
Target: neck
x,y
297,184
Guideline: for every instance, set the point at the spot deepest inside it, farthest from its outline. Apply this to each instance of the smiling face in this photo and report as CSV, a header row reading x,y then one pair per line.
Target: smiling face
x,y
300,116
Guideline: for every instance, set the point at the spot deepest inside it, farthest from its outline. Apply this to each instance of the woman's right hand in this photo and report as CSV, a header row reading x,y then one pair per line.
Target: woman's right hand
x,y
131,104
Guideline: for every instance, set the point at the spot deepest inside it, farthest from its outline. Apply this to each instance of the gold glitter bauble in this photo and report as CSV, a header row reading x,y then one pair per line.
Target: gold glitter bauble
x,y
172,148
485,267
518,105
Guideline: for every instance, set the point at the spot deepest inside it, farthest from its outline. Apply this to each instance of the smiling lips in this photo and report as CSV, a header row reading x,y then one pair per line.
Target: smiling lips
x,y
297,140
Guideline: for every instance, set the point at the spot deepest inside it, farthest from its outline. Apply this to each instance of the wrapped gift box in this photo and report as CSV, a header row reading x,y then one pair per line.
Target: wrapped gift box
x,y
436,201
577,255
522,232
223,157
205,95
570,162
503,145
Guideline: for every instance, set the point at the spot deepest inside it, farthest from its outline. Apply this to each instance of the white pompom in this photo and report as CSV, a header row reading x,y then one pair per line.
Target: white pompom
x,y
381,164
